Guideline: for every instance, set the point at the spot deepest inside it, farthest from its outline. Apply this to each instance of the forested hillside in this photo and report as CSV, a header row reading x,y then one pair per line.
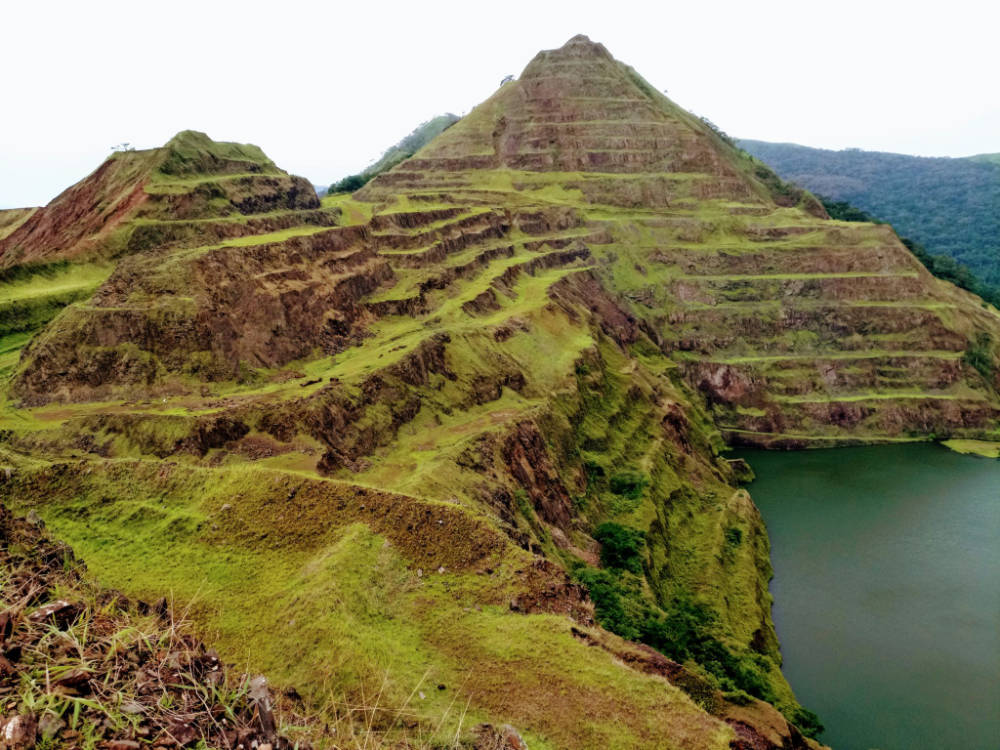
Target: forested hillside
x,y
407,147
950,206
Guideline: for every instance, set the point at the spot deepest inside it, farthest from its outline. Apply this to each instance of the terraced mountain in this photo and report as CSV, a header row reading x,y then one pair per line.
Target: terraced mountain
x,y
799,330
451,445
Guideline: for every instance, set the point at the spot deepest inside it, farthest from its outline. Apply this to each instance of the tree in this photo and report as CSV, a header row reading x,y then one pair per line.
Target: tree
x,y
349,184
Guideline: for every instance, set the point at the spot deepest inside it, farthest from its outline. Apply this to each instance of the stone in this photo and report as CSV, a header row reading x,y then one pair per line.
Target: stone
x,y
19,732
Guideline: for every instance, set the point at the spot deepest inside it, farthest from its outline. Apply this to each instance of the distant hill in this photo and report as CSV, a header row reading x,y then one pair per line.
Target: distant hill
x,y
950,206
420,137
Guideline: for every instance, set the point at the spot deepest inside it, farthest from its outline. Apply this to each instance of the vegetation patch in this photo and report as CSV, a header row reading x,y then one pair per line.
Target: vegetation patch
x,y
984,448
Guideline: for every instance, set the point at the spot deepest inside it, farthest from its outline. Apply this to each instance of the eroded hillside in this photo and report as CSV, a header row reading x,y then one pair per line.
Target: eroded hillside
x,y
433,441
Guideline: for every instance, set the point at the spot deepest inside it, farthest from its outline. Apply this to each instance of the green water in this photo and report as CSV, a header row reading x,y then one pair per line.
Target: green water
x,y
887,591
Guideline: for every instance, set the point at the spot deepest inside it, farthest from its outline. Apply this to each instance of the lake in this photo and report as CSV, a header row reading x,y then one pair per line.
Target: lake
x,y
887,591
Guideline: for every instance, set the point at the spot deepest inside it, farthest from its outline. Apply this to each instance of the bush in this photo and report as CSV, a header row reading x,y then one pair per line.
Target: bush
x,y
606,592
682,632
979,355
734,536
629,484
621,547
739,697
844,211
594,470
807,722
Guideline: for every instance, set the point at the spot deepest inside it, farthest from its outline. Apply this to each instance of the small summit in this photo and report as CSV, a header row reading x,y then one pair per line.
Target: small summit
x,y
191,153
190,177
581,45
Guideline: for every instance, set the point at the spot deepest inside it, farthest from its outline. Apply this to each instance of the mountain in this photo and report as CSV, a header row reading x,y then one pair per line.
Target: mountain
x,y
951,206
191,188
455,458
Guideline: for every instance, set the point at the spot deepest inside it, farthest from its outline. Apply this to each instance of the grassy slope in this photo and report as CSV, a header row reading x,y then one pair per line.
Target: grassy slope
x,y
12,218
31,296
244,564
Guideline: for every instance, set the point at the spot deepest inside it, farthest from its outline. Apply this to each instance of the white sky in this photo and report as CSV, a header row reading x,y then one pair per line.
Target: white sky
x,y
325,87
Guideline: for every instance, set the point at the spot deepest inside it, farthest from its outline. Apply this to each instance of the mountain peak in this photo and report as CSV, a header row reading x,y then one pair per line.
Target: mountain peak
x,y
188,138
578,109
192,152
583,43
580,46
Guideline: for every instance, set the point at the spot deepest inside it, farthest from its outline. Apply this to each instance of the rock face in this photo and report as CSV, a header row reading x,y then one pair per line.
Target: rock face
x,y
402,416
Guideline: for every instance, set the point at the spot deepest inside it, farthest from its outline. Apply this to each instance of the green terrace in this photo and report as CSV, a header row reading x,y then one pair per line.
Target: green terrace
x,y
823,355
174,186
235,218
796,276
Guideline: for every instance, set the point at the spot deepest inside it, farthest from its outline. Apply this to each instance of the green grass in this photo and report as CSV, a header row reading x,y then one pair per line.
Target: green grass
x,y
858,438
10,352
832,355
32,296
354,211
271,237
169,185
796,276
983,448
234,219
345,608
70,278
873,396
12,218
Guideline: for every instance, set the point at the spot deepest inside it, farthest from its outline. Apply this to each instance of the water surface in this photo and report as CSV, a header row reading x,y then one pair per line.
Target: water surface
x,y
887,591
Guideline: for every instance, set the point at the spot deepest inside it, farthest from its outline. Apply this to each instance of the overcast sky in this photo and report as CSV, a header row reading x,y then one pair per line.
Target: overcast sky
x,y
325,87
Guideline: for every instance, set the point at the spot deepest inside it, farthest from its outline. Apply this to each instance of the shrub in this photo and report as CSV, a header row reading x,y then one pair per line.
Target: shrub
x,y
606,592
594,470
739,697
682,632
629,484
979,355
734,536
621,547
807,722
